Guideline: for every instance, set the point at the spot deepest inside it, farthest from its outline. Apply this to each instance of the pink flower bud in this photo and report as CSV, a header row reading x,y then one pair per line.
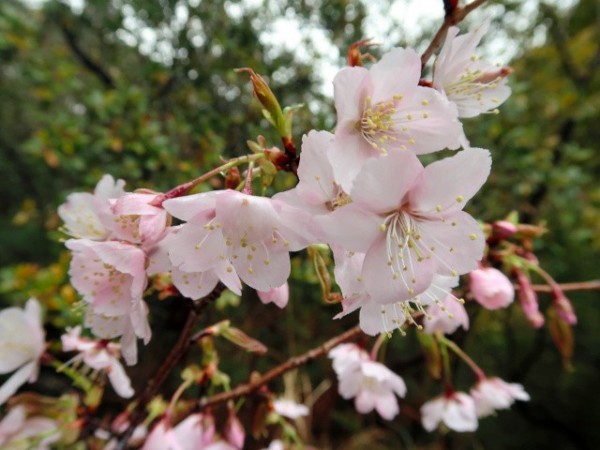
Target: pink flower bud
x,y
503,229
529,300
563,305
491,288
279,295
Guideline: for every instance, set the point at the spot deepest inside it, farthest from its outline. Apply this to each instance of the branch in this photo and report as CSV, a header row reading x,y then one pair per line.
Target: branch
x,y
276,372
456,15
593,285
178,350
90,64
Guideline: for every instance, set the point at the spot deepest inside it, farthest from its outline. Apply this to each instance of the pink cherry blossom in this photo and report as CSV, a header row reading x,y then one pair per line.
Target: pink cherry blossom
x,y
194,432
384,109
317,192
99,355
290,409
17,431
278,295
455,409
371,384
474,85
408,220
491,394
111,277
491,288
137,221
376,318
446,317
89,215
21,346
231,232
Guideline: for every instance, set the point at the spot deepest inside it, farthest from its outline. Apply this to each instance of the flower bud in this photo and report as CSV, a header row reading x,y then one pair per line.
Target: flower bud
x,y
503,229
491,288
564,307
528,300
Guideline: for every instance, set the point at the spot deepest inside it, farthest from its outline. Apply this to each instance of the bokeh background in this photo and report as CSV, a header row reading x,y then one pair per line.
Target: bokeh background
x,y
145,90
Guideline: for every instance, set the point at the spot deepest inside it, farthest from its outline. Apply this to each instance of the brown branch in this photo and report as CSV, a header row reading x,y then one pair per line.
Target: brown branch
x,y
88,62
276,372
593,285
178,350
456,16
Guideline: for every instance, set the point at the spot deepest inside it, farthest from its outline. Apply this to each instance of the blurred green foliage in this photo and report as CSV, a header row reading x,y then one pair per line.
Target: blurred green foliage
x,y
146,91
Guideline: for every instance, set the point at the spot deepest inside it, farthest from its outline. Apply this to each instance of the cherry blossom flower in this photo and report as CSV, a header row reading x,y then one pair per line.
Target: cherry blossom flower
x,y
231,232
474,85
196,431
17,431
99,355
371,384
446,317
21,346
317,192
455,409
491,394
111,277
384,109
491,288
376,318
137,221
278,295
290,409
408,220
89,215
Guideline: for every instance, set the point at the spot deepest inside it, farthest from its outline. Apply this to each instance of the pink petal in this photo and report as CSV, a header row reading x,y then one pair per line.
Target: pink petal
x,y
386,281
396,73
314,171
383,182
17,379
460,413
195,248
458,243
119,380
348,155
426,122
263,267
196,208
351,85
446,185
376,318
365,401
386,405
194,285
351,228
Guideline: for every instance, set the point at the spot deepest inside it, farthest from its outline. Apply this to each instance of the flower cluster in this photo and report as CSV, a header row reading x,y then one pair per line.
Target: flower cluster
x,y
397,228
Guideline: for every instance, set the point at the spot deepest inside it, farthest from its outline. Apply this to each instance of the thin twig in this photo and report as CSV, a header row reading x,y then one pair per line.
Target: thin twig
x,y
593,285
457,15
276,372
178,350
